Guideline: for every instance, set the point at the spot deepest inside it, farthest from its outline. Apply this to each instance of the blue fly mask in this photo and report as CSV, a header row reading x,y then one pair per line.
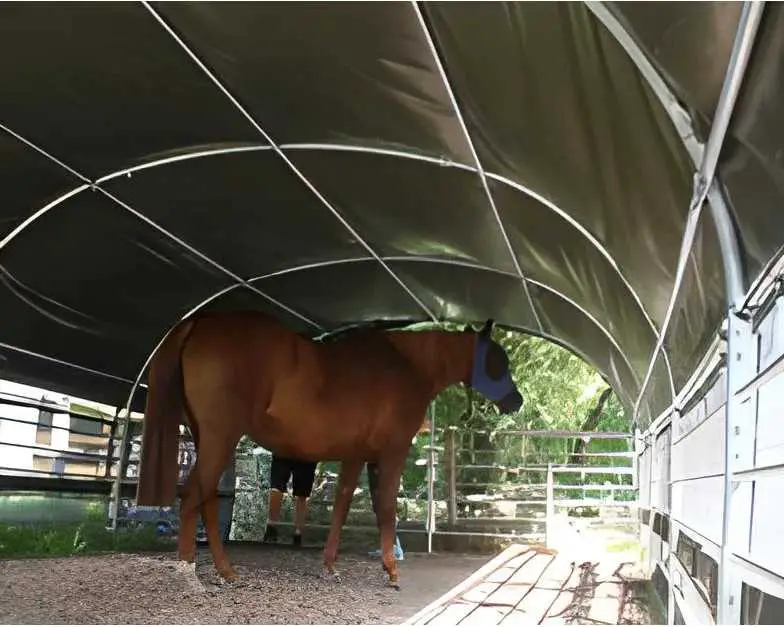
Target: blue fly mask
x,y
490,375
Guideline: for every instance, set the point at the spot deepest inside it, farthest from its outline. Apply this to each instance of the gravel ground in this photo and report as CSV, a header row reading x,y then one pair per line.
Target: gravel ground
x,y
278,585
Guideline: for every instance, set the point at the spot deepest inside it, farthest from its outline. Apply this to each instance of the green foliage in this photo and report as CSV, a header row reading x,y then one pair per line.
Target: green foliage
x,y
63,539
558,390
251,504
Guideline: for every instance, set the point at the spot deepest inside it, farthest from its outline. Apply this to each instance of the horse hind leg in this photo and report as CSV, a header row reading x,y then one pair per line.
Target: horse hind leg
x,y
201,494
211,516
186,536
347,482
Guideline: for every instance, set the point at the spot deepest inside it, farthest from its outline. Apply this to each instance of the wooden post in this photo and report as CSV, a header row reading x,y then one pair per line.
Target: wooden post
x,y
450,450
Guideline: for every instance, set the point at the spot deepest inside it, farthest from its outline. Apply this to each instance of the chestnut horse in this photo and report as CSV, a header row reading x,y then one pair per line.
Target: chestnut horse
x,y
357,398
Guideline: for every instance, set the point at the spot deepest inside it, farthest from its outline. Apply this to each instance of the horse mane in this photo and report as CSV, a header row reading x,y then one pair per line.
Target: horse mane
x,y
444,357
439,356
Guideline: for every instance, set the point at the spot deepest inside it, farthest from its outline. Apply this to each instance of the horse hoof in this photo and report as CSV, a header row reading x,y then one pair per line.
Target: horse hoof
x,y
188,569
230,575
394,586
330,575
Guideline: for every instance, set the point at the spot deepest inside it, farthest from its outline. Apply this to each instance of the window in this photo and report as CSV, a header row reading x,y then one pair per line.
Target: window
x,y
678,620
43,464
665,528
86,426
84,468
686,552
43,433
660,586
703,569
759,608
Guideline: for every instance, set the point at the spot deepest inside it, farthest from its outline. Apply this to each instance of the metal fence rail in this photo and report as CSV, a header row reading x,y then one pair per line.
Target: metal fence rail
x,y
452,487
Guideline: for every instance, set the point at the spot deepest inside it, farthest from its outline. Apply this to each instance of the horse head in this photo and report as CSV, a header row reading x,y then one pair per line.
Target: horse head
x,y
490,375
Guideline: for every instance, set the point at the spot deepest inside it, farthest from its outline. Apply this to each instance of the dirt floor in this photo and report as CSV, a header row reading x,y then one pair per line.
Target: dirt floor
x,y
279,585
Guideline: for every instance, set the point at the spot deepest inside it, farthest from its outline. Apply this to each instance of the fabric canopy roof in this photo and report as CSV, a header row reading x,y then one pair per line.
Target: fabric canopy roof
x,y
338,163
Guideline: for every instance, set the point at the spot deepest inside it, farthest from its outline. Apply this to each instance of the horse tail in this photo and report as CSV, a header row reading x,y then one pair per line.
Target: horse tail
x,y
164,410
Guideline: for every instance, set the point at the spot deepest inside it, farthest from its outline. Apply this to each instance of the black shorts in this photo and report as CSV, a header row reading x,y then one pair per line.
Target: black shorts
x,y
302,473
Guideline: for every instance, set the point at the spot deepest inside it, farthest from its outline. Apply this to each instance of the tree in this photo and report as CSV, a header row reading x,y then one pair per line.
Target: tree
x,y
590,424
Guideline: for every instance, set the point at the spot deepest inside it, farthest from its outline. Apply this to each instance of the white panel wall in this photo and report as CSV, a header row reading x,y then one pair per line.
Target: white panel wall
x,y
698,504
767,526
766,428
769,449
700,452
644,466
754,550
771,338
660,471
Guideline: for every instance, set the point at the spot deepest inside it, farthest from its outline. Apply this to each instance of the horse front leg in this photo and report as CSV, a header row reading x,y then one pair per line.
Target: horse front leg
x,y
389,471
347,483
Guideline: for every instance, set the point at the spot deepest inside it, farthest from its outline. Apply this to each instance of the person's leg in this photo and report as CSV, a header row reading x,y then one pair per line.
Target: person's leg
x,y
304,474
279,478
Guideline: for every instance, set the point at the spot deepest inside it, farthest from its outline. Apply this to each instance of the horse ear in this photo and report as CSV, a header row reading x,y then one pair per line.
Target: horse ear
x,y
487,329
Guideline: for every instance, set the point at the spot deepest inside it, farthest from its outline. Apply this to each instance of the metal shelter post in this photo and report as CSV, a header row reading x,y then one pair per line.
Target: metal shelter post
x,y
739,335
740,368
705,184
549,507
431,474
107,473
121,466
450,454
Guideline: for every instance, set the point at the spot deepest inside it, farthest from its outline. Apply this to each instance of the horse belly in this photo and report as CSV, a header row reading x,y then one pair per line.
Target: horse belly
x,y
308,434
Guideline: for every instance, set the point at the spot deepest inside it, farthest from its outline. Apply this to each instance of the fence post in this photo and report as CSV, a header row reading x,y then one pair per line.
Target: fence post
x,y
110,445
549,507
450,453
125,449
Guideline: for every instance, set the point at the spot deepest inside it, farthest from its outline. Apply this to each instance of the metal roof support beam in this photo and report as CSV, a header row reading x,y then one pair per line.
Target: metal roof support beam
x,y
415,259
448,86
238,279
387,152
680,118
549,205
682,122
95,186
239,282
60,362
136,384
285,158
704,179
463,264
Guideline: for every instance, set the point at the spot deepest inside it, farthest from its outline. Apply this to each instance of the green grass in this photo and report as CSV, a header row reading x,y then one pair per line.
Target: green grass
x,y
24,508
623,546
63,539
